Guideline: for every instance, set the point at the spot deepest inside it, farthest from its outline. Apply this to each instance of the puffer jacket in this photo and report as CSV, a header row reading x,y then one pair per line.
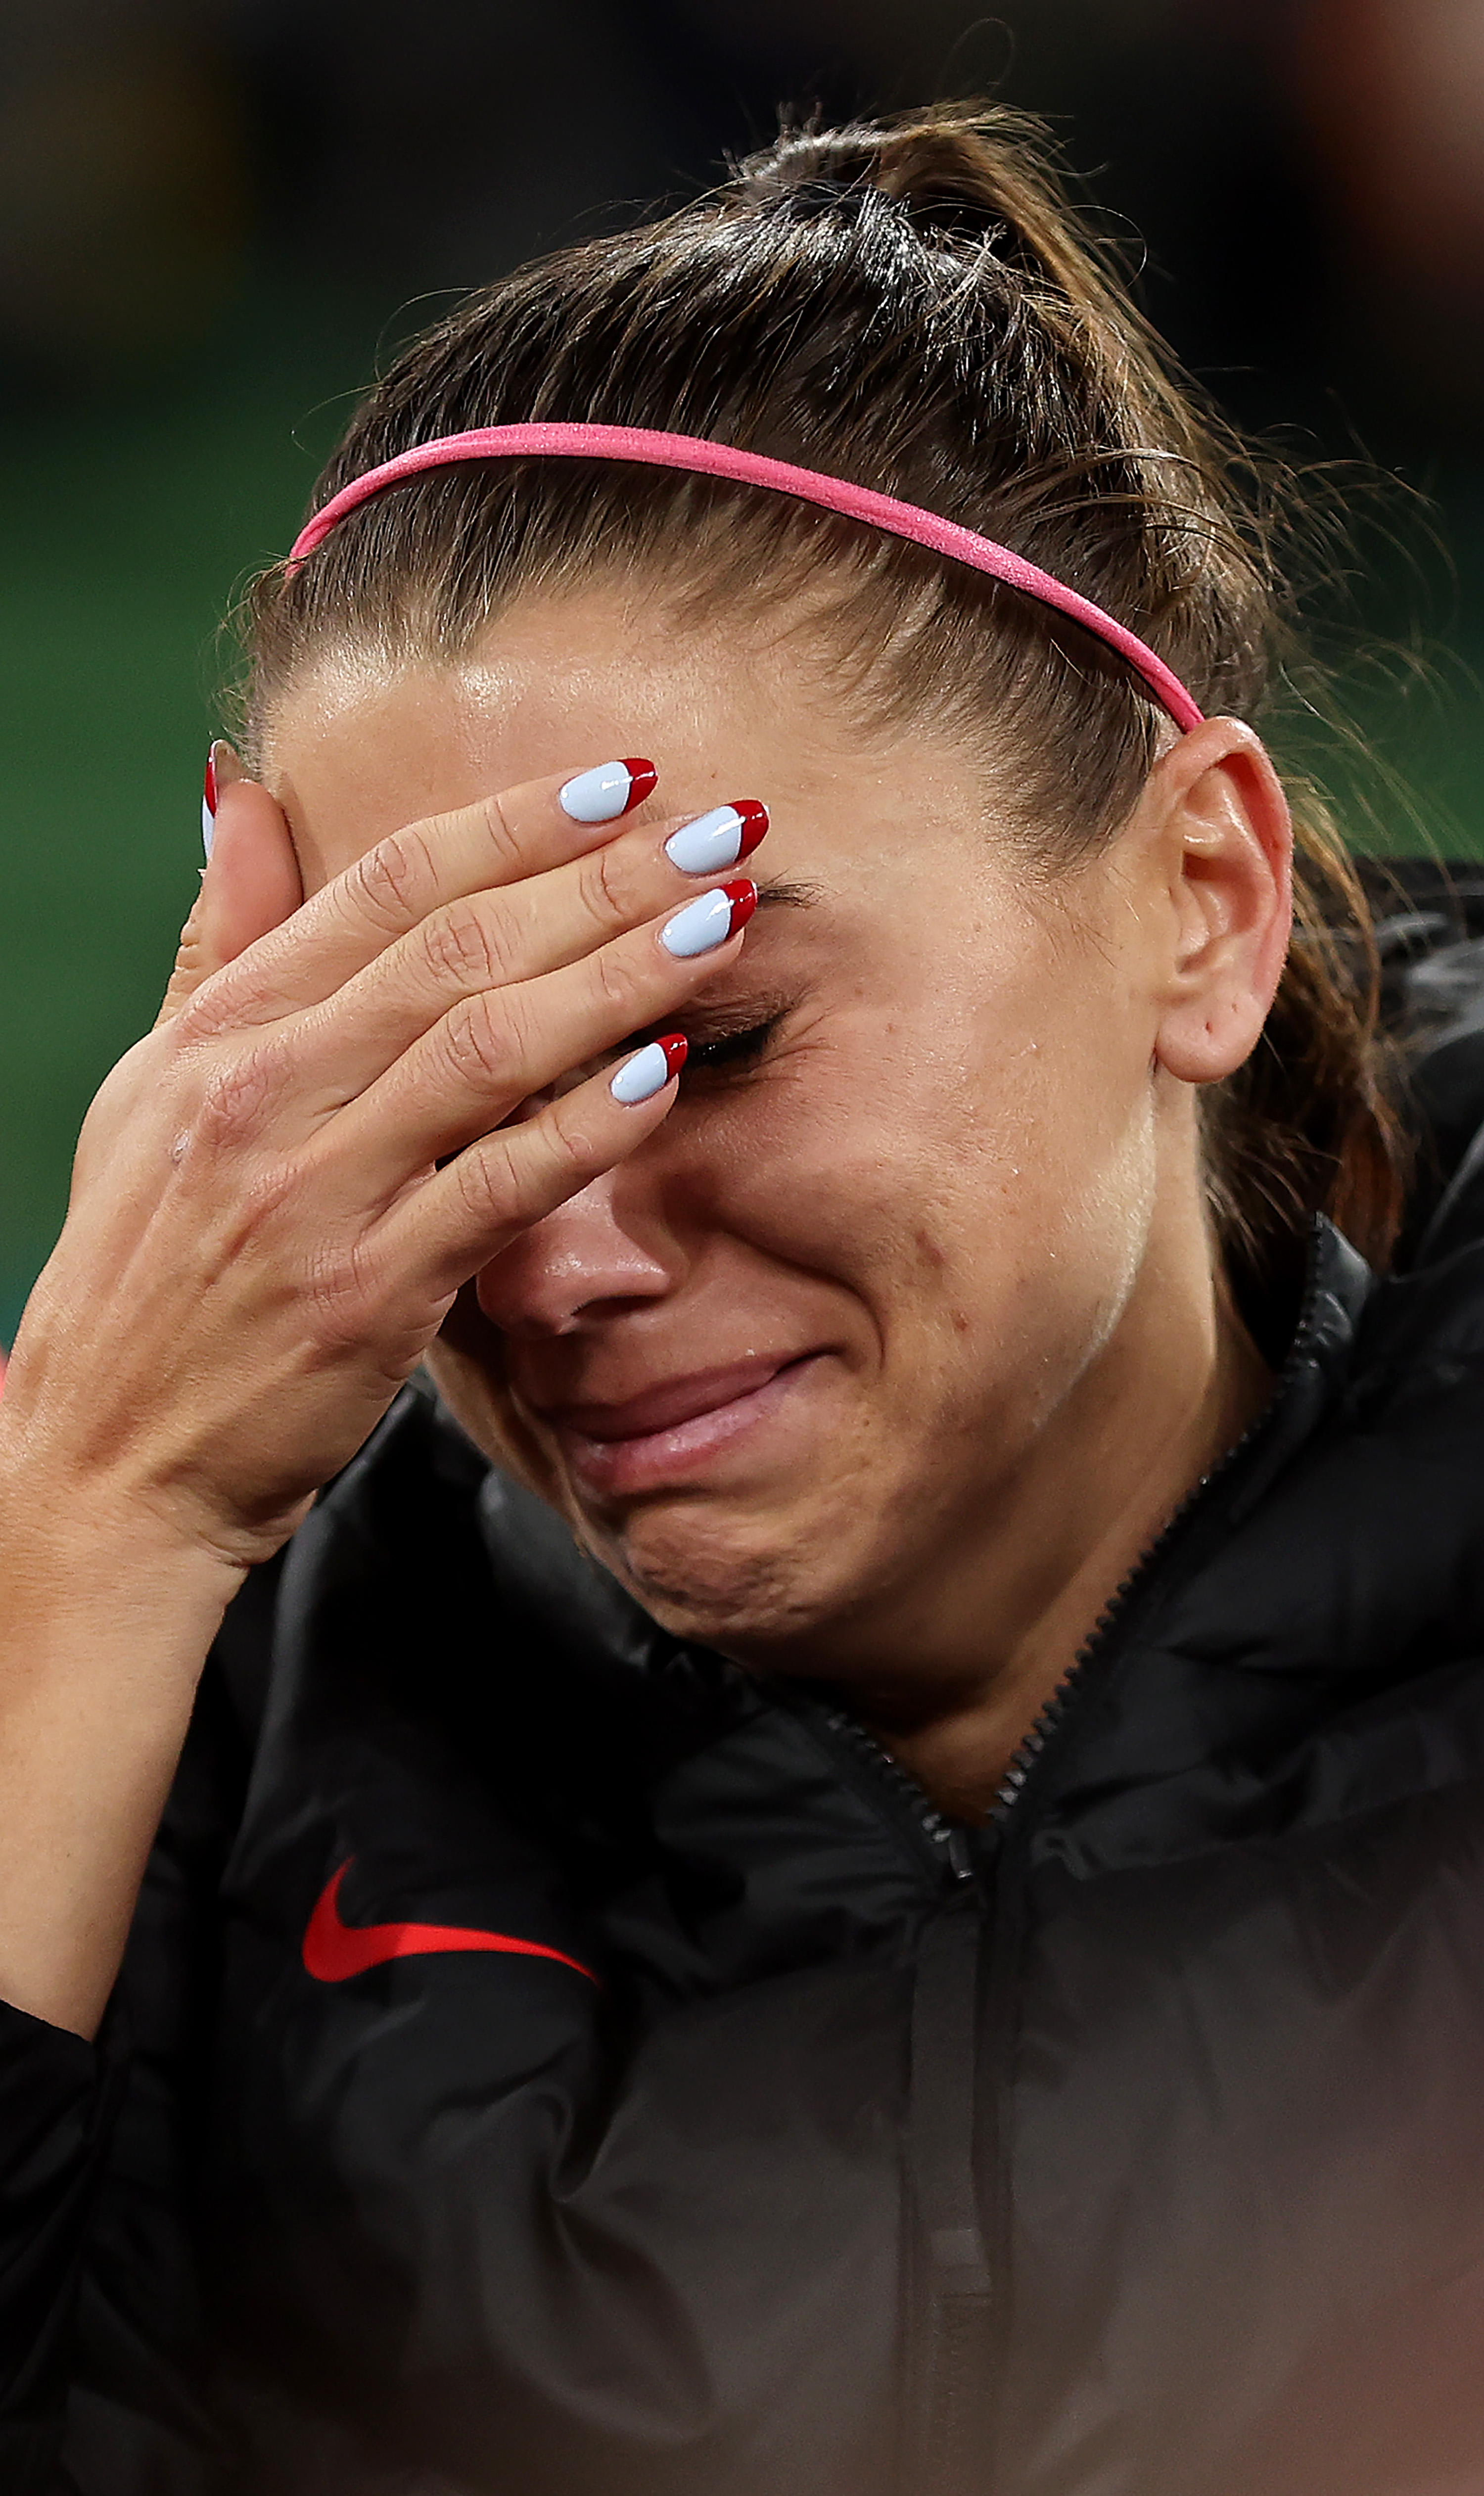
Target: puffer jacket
x,y
549,2062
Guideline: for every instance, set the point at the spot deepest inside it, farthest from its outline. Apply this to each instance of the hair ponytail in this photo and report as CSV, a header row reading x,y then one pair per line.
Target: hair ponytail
x,y
913,304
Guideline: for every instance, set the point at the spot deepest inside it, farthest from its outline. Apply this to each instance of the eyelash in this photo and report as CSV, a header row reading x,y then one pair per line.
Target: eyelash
x,y
730,1051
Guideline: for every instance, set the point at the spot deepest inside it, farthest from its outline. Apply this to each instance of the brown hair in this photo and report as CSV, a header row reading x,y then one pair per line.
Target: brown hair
x,y
914,305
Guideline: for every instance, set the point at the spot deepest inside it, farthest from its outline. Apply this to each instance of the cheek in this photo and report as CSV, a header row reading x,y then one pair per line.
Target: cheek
x,y
1063,1054
961,1243
1055,1194
985,1182
798,1167
886,1162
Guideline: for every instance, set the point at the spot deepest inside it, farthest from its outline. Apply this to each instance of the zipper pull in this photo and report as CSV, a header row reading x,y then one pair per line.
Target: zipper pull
x,y
958,1846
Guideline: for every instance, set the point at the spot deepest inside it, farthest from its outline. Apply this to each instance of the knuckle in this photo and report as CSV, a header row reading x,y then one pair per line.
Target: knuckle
x,y
274,1187
187,972
391,883
570,1153
621,984
239,995
205,1015
343,1285
608,888
463,949
504,840
480,1043
237,1097
485,1178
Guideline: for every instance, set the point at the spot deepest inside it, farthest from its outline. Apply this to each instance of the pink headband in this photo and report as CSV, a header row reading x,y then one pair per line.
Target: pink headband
x,y
750,468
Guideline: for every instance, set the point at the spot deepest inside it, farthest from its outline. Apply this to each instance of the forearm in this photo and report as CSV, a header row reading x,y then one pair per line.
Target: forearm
x,y
105,1624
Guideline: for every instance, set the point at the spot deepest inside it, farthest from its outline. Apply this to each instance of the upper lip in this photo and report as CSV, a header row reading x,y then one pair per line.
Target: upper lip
x,y
665,1407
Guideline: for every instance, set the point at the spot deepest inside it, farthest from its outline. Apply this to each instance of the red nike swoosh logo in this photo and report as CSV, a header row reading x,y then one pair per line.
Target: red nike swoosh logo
x,y
334,1949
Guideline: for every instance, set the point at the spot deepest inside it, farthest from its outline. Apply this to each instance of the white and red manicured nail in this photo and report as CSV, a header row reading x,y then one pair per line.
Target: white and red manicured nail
x,y
649,1070
708,922
208,800
607,792
720,840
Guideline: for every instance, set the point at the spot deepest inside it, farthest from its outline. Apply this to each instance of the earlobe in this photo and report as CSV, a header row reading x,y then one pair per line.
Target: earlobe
x,y
1227,841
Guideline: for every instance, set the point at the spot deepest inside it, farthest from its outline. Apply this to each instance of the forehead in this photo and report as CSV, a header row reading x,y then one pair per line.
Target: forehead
x,y
362,745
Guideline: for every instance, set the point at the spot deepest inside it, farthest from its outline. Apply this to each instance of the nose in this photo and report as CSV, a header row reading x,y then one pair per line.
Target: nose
x,y
577,1263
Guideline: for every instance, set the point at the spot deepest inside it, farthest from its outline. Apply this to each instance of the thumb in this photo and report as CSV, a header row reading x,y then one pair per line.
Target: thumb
x,y
251,884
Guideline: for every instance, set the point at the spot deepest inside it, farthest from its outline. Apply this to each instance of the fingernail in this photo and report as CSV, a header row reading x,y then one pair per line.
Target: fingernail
x,y
647,1073
718,839
209,801
223,766
707,922
610,789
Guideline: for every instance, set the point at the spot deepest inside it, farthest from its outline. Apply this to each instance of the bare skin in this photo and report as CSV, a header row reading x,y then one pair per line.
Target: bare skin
x,y
879,1355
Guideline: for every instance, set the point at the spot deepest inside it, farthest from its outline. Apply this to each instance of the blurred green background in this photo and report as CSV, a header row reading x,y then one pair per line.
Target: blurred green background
x,y
215,215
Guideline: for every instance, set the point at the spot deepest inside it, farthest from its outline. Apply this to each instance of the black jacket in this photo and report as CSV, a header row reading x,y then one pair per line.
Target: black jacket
x,y
801,2145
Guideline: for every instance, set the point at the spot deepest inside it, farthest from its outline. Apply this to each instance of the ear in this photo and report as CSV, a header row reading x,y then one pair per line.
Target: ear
x,y
1222,832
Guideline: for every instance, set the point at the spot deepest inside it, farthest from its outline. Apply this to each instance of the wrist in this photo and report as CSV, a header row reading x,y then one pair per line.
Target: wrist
x,y
73,1546
79,1481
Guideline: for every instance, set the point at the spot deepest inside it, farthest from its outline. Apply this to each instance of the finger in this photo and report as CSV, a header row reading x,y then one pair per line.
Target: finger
x,y
250,887
501,939
397,884
442,1234
496,1050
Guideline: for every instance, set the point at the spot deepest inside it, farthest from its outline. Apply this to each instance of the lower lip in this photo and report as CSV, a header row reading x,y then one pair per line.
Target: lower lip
x,y
663,1456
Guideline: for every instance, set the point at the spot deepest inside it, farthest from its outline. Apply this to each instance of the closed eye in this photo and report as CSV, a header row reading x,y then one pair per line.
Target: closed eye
x,y
727,1052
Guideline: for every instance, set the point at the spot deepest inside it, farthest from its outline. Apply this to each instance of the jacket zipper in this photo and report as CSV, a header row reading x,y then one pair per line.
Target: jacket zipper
x,y
982,2472
945,2404
948,2282
950,1845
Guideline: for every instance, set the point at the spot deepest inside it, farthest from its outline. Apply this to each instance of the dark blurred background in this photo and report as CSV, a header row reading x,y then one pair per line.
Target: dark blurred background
x,y
215,216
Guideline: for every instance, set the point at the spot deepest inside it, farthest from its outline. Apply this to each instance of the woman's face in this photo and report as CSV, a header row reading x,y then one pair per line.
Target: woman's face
x,y
926,1178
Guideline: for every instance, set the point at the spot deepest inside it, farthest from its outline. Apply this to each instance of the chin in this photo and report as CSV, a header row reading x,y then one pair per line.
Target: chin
x,y
757,1568
732,1587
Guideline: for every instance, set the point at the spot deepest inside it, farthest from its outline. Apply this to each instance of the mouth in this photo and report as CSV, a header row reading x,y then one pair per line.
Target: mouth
x,y
675,1429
